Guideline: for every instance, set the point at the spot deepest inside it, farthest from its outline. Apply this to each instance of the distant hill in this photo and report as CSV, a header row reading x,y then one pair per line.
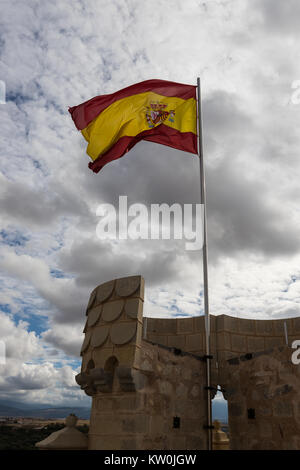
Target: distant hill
x,y
219,411
46,413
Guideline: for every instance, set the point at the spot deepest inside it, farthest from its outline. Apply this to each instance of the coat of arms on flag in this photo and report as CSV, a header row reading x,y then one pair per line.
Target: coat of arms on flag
x,y
156,114
154,110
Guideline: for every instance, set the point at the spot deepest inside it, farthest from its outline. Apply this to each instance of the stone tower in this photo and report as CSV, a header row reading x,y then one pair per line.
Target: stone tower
x,y
146,376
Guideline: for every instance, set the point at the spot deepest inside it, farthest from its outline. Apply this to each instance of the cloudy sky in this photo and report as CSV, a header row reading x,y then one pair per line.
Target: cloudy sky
x,y
58,54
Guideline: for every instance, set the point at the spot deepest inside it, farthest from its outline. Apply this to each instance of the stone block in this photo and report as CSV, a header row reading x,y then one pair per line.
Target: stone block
x,y
138,423
86,342
181,391
177,442
107,424
127,286
274,342
191,425
91,300
246,326
177,341
112,310
134,308
213,342
103,403
185,325
264,327
194,342
122,333
165,387
166,326
283,409
223,341
255,343
194,408
129,444
199,324
158,425
99,336
94,315
146,366
102,380
104,291
125,354
158,339
212,321
235,410
265,429
195,442
239,343
195,391
129,402
264,411
100,355
296,325
226,323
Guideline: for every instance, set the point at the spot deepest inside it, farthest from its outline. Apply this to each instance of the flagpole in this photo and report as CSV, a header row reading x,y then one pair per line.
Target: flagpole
x,y
208,425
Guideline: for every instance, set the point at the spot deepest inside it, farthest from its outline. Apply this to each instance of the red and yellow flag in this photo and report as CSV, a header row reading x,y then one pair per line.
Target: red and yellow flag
x,y
155,110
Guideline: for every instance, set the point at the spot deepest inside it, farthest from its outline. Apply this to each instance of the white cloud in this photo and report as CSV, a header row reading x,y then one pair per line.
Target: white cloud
x,y
58,54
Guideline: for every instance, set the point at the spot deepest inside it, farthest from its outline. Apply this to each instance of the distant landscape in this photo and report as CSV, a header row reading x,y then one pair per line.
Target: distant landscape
x,y
42,411
14,409
23,425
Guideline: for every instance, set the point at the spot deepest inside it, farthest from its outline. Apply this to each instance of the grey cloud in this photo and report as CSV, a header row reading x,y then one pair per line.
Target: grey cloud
x,y
242,220
279,17
72,348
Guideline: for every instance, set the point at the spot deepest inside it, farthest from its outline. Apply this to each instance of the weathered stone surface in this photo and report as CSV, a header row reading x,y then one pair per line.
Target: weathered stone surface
x,y
122,333
283,409
134,308
264,327
127,285
162,326
94,315
238,343
185,325
194,342
102,380
246,326
86,342
99,336
177,342
91,300
126,379
255,343
112,310
159,383
104,291
136,424
236,410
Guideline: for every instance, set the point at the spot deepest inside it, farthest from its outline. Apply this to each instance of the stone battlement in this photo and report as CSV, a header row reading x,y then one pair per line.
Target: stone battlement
x,y
147,377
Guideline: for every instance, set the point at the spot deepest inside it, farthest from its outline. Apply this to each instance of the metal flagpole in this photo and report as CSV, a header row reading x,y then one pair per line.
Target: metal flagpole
x,y
205,273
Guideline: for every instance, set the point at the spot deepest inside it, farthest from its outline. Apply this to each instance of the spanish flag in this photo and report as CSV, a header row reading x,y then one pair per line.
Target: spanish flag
x,y
155,110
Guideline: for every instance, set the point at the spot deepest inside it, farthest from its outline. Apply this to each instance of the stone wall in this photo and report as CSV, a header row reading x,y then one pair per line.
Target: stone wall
x,y
263,401
230,336
147,376
164,409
